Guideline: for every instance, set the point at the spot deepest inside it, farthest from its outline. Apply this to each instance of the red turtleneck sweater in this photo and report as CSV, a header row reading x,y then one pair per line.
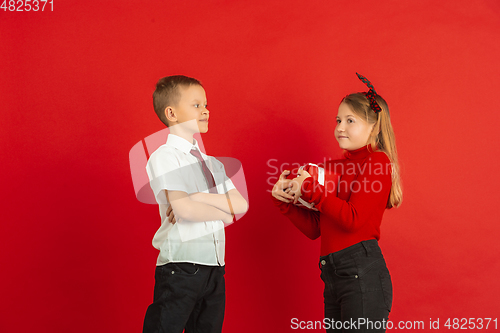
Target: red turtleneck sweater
x,y
350,204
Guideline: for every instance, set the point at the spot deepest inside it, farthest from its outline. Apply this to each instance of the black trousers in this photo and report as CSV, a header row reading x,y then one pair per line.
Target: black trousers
x,y
358,289
187,296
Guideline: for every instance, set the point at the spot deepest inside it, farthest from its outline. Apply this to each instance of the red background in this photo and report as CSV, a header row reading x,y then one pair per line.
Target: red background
x,y
75,96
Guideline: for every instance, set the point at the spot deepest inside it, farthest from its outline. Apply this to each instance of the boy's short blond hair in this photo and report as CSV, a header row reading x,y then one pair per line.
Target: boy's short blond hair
x,y
167,93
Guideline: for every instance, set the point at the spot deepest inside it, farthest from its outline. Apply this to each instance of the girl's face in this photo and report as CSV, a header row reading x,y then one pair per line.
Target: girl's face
x,y
352,132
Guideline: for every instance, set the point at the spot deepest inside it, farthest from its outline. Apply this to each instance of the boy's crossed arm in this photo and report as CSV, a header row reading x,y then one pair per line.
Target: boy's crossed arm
x,y
231,202
200,207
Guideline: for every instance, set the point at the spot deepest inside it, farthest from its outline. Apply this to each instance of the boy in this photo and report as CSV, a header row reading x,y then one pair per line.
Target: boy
x,y
196,200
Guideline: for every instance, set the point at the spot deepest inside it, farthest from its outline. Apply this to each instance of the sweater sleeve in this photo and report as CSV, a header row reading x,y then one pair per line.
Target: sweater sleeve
x,y
307,221
369,193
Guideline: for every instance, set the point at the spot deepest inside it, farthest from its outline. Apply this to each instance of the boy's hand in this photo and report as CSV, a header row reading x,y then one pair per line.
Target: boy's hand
x,y
296,184
170,215
281,188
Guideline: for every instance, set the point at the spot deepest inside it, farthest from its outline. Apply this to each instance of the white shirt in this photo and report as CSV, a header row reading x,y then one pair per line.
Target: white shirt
x,y
172,167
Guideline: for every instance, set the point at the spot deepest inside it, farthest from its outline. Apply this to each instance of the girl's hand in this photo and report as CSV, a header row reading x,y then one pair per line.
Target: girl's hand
x,y
281,185
296,184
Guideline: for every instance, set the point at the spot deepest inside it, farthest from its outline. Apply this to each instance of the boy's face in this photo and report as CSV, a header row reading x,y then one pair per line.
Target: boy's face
x,y
192,109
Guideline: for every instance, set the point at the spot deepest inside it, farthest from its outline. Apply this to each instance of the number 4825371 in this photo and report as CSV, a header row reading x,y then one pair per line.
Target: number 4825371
x,y
26,5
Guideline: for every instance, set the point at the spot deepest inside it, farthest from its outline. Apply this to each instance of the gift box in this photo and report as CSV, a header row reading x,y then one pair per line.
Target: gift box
x,y
316,172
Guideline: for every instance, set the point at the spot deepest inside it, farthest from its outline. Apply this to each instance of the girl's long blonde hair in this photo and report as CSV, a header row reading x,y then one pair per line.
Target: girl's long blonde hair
x,y
382,138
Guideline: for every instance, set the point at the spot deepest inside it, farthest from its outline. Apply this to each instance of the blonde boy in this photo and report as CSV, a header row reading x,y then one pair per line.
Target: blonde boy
x,y
196,200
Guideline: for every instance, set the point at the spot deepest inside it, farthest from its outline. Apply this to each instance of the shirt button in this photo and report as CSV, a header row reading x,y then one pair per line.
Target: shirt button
x,y
323,262
173,272
356,276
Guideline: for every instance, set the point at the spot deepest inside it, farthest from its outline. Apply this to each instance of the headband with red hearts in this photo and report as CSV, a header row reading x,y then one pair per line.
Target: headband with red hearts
x,y
371,94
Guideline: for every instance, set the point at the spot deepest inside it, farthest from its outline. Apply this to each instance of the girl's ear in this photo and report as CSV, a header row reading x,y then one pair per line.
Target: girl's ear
x,y
170,114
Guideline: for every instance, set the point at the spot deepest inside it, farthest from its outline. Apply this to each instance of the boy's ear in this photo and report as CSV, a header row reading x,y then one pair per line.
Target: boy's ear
x,y
170,114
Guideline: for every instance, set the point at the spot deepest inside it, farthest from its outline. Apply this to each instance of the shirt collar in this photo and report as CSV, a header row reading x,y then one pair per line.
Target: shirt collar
x,y
181,144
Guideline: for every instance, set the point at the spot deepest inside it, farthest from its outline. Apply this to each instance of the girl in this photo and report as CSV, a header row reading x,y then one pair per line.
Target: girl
x,y
356,191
